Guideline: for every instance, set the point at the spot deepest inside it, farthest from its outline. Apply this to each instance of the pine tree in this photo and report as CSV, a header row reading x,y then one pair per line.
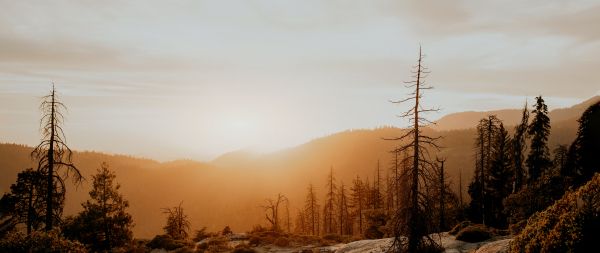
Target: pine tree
x,y
28,195
499,175
104,222
583,159
52,155
518,150
344,218
538,160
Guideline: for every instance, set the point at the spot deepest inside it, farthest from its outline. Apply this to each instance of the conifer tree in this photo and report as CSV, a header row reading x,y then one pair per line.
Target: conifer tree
x,y
344,218
518,151
538,160
583,159
104,222
29,194
499,175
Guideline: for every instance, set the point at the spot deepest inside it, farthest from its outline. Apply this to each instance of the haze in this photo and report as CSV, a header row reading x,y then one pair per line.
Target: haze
x,y
195,79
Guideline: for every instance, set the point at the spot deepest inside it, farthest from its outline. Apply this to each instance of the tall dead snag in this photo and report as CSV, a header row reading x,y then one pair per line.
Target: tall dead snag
x,y
311,211
272,211
358,201
54,157
442,198
412,220
345,219
329,225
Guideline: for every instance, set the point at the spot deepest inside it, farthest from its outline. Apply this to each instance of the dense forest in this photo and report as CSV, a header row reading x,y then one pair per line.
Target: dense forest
x,y
531,183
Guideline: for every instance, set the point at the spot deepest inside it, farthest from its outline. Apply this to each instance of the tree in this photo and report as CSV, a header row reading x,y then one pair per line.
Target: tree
x,y
28,199
53,155
377,199
329,225
538,160
559,161
358,201
104,222
311,210
442,191
178,223
344,218
272,211
583,159
487,129
499,175
518,150
412,221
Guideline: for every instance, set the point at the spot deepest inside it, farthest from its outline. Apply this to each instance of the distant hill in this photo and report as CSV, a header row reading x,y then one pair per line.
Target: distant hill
x,y
230,189
465,120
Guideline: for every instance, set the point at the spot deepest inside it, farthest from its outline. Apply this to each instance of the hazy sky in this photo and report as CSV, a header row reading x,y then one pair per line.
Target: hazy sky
x,y
195,79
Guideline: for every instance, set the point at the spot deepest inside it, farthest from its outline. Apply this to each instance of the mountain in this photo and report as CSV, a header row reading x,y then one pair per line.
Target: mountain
x,y
230,189
510,117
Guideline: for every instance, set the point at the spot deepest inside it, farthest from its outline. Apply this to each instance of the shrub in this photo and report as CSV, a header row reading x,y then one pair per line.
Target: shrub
x,y
243,248
165,242
39,241
459,227
376,221
254,241
474,233
571,224
282,242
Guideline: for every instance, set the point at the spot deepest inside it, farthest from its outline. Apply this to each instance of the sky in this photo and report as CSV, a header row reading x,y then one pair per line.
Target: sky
x,y
196,79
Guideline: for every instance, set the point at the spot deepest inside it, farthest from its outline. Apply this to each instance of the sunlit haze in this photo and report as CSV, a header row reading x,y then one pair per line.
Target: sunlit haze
x,y
196,79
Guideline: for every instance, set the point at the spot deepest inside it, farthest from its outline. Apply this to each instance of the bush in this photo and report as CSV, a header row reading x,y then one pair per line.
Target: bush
x,y
474,233
459,227
571,224
243,248
166,242
39,241
282,242
376,221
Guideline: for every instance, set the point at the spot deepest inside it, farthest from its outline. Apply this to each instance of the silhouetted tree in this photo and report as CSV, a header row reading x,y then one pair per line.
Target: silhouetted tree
x,y
329,226
413,220
559,161
377,199
358,201
344,218
442,191
487,129
178,223
583,159
104,222
52,155
538,160
518,150
272,211
499,175
28,195
311,210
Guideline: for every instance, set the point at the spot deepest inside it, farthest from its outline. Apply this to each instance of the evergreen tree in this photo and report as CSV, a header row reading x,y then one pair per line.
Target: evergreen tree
x,y
499,175
28,195
538,160
518,151
344,217
583,159
104,222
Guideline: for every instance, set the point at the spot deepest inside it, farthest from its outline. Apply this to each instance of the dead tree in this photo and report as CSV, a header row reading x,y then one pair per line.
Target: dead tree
x,y
358,201
412,220
54,157
178,223
311,210
442,189
328,210
272,211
